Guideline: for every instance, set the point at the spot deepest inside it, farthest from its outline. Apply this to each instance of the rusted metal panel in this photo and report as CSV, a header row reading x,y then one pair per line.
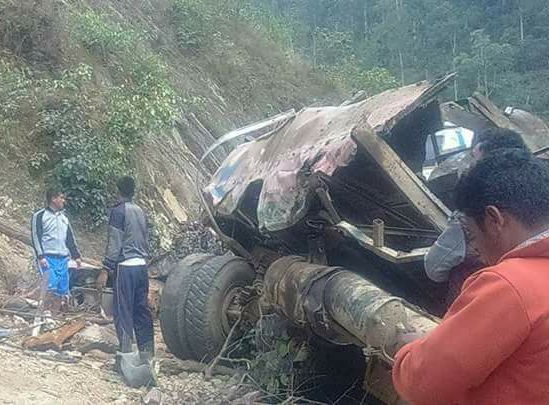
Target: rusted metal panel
x,y
252,130
317,140
534,130
400,174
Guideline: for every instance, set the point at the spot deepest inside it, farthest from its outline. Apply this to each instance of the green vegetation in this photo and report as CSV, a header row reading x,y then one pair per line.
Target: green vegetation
x,y
194,23
87,127
81,88
498,47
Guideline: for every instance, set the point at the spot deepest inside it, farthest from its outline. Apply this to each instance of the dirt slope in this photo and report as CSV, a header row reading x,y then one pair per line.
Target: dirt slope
x,y
235,77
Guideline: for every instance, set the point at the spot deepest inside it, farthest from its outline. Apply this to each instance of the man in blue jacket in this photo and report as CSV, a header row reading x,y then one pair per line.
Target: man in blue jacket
x,y
126,258
54,244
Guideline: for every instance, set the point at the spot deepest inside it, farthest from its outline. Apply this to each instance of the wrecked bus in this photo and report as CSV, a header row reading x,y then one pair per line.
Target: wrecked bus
x,y
328,213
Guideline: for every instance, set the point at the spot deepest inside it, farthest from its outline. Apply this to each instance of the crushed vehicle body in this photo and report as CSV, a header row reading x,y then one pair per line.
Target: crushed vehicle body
x,y
329,212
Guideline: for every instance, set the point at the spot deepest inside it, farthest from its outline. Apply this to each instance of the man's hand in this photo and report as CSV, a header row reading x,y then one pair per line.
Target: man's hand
x,y
43,263
403,338
101,280
78,263
406,338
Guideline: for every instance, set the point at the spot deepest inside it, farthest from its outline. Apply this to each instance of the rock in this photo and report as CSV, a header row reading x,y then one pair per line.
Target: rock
x,y
154,397
163,267
17,320
122,399
250,398
196,238
62,370
74,354
52,355
18,304
177,367
98,355
31,302
94,365
96,337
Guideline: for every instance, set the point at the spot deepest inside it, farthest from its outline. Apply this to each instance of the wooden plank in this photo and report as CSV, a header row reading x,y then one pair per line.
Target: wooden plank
x,y
55,338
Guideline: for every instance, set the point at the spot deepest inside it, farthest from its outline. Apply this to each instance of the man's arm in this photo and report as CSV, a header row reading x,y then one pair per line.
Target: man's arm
x,y
71,243
36,234
446,253
115,237
485,326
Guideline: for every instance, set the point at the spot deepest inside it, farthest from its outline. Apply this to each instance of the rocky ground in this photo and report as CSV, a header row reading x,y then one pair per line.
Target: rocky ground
x,y
81,370
73,377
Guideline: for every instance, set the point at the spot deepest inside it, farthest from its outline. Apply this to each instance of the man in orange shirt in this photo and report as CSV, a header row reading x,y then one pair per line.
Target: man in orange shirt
x,y
493,345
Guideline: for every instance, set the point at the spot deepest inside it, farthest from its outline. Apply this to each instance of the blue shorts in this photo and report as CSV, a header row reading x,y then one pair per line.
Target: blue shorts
x,y
58,275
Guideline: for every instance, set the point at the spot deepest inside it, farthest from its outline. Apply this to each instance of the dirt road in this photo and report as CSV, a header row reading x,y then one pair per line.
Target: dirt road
x,y
27,378
32,377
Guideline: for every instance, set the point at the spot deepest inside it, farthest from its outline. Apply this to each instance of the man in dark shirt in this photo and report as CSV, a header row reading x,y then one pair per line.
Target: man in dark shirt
x,y
126,258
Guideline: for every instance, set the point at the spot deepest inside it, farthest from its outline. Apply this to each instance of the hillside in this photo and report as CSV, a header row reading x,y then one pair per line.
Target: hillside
x,y
93,89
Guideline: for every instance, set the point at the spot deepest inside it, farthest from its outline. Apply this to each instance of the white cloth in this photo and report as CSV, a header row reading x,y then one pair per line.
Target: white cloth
x,y
135,261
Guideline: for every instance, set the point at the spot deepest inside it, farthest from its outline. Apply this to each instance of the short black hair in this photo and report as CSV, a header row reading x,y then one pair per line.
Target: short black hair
x,y
126,186
52,193
493,139
513,180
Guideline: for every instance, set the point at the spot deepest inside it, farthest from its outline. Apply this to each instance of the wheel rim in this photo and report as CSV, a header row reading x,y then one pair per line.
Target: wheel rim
x,y
231,309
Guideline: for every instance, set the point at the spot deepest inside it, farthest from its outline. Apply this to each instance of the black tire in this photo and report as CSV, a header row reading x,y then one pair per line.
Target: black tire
x,y
200,314
176,288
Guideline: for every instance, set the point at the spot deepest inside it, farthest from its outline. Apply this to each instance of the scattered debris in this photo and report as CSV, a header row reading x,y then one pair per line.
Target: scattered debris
x,y
193,237
20,306
173,366
54,339
62,357
196,238
99,355
153,397
96,337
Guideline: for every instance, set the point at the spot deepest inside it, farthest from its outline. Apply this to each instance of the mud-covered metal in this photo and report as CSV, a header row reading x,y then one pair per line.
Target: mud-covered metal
x,y
316,140
339,305
367,242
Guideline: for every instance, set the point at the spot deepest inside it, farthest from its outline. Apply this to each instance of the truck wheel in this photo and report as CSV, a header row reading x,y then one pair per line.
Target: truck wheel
x,y
176,289
207,312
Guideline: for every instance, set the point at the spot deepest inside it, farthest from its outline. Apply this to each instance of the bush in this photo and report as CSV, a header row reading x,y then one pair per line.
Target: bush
x,y
194,23
91,127
144,102
86,160
354,77
98,34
